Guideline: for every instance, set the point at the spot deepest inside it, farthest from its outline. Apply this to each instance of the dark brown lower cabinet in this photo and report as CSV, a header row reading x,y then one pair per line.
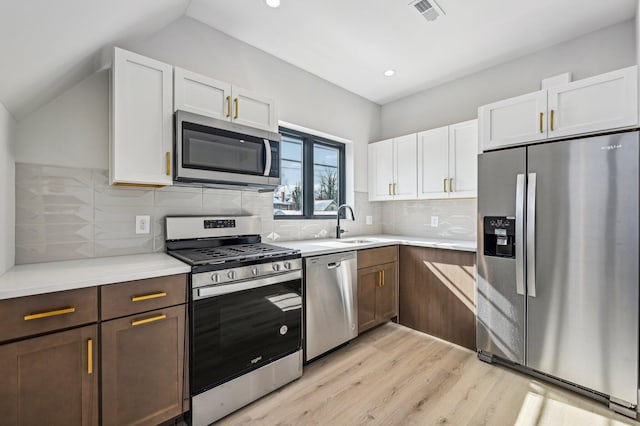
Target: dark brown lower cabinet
x,y
377,289
437,293
50,380
142,367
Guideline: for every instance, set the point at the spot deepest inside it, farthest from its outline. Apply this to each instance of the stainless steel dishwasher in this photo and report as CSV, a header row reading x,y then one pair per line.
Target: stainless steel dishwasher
x,y
331,306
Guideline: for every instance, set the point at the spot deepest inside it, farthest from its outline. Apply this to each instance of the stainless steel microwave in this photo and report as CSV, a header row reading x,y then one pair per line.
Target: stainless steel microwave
x,y
215,151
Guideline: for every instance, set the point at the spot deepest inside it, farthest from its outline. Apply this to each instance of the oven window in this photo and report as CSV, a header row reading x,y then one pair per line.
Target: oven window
x,y
222,151
235,333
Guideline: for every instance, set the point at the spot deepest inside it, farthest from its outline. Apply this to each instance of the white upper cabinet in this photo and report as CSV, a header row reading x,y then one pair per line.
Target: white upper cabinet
x,y
381,170
201,95
513,121
206,96
447,161
393,169
463,159
254,110
405,184
433,163
141,120
604,102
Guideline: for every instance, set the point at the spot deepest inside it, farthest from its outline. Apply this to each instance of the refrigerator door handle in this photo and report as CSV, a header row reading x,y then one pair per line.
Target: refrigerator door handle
x,y
520,234
531,235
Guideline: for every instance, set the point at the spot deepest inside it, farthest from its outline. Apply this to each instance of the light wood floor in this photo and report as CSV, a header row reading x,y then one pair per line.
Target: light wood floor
x,y
396,376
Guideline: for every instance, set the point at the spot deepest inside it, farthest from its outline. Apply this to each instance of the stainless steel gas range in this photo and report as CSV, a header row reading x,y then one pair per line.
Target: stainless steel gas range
x,y
245,312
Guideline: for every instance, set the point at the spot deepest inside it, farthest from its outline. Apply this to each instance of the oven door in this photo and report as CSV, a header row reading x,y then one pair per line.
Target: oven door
x,y
239,327
212,150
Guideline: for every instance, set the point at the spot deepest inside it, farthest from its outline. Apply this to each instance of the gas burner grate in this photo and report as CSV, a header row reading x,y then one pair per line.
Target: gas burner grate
x,y
204,255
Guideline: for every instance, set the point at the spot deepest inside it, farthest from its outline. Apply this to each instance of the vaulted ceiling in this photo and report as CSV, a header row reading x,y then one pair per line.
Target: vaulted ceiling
x,y
47,46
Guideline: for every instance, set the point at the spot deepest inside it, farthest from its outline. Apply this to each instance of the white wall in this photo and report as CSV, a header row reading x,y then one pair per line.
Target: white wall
x,y
72,130
601,51
7,190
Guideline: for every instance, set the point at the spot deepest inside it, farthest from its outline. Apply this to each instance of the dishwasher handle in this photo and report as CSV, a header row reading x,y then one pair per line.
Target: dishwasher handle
x,y
334,265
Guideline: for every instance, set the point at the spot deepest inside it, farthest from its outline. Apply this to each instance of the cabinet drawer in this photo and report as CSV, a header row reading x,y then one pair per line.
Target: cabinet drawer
x,y
377,256
26,316
132,297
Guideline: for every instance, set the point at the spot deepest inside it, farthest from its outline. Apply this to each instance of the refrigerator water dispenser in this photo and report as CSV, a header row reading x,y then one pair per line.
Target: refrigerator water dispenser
x,y
500,236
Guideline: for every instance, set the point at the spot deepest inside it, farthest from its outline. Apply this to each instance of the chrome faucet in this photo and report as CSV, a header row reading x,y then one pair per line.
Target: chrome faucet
x,y
340,231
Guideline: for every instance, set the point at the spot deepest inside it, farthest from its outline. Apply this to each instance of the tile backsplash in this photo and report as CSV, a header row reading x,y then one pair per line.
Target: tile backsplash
x,y
67,213
457,218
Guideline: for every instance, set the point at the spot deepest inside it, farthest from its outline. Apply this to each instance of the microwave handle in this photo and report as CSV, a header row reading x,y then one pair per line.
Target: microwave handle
x,y
267,161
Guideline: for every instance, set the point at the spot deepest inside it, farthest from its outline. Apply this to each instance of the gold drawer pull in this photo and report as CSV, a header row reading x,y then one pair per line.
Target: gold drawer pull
x,y
235,102
148,296
541,119
228,106
148,320
552,115
451,185
49,314
168,158
89,356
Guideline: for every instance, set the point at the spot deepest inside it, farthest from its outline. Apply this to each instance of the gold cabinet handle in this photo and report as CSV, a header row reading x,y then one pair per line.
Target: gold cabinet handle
x,y
379,278
235,102
444,185
148,320
541,120
50,314
168,157
389,190
382,277
451,185
148,296
552,115
228,106
395,189
90,356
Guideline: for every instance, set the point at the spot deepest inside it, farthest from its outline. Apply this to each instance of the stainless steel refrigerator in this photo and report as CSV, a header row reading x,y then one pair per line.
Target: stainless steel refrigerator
x,y
558,263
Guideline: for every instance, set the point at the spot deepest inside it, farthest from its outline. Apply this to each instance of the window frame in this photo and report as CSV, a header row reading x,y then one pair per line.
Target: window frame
x,y
308,196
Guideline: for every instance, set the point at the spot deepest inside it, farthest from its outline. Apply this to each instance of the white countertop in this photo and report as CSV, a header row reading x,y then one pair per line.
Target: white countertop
x,y
318,247
39,278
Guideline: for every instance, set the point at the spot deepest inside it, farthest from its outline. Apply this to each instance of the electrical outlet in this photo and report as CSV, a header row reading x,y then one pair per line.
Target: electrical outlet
x,y
434,221
369,220
143,224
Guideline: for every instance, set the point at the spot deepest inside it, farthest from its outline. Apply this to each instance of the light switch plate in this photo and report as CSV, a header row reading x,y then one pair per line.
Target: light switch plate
x,y
434,221
143,224
369,220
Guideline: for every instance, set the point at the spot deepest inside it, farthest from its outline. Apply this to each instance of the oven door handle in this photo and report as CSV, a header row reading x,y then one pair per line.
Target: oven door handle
x,y
219,290
267,157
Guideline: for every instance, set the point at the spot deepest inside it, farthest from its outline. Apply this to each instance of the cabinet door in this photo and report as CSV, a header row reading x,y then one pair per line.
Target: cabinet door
x,y
141,120
386,293
433,163
513,121
381,170
50,380
143,367
253,110
201,95
405,183
368,281
437,293
603,102
463,159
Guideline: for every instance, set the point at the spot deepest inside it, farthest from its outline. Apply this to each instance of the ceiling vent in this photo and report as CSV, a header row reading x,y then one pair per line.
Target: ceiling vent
x,y
428,8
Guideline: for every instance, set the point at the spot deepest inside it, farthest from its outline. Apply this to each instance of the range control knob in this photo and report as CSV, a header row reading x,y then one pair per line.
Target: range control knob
x,y
231,275
215,278
276,267
287,265
254,271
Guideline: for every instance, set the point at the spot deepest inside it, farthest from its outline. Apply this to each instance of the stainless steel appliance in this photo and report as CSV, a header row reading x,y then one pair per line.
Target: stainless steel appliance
x,y
215,151
558,263
331,310
245,312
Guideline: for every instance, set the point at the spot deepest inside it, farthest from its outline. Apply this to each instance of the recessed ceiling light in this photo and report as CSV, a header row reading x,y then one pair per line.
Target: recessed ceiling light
x,y
272,3
389,73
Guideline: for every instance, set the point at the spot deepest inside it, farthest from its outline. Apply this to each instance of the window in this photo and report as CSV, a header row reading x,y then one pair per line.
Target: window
x,y
311,176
